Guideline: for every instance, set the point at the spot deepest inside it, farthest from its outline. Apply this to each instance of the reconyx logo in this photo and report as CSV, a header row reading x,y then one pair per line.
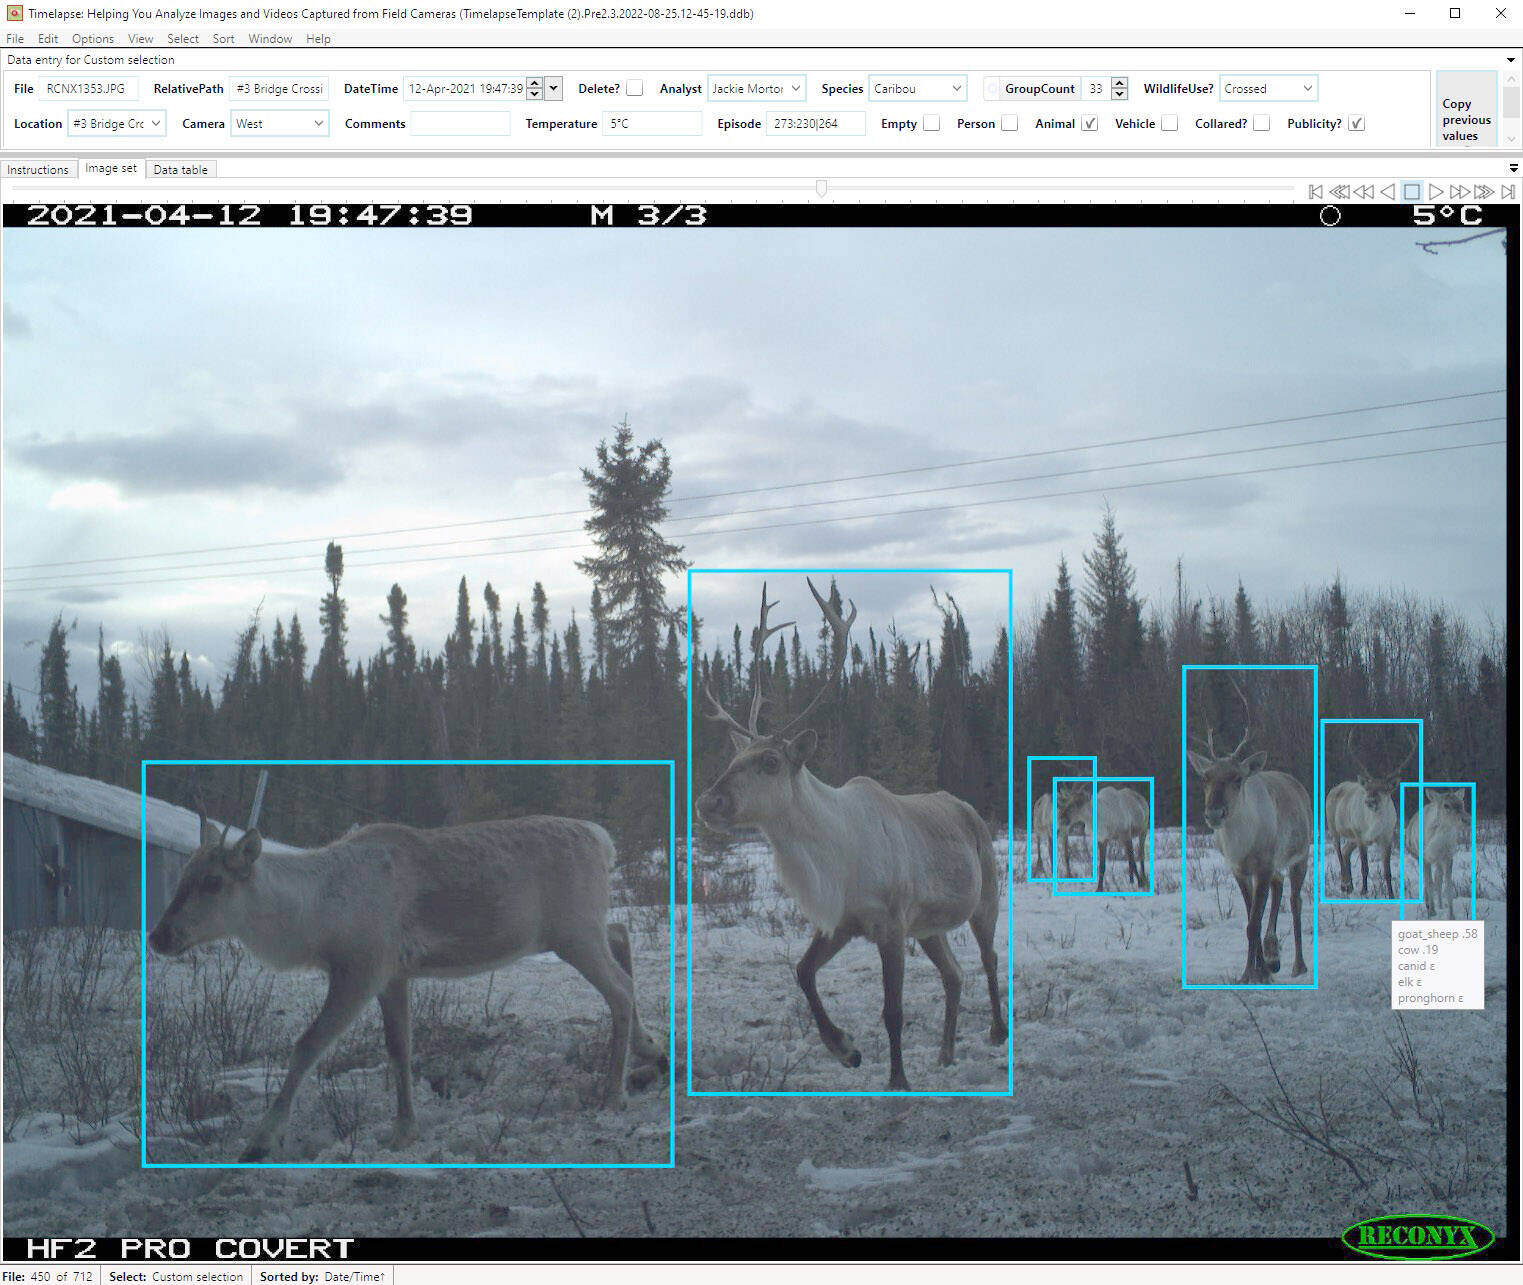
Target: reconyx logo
x,y
1418,1237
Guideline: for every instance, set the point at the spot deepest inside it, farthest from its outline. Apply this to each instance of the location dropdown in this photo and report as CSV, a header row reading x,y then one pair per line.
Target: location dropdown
x,y
84,123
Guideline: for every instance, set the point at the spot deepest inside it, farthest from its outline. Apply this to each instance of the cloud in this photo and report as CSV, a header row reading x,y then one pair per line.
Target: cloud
x,y
87,497
186,461
17,326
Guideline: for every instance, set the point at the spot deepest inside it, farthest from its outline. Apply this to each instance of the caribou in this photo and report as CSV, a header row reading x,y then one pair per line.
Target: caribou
x,y
1362,814
388,903
1120,815
1041,830
1445,825
1261,821
859,860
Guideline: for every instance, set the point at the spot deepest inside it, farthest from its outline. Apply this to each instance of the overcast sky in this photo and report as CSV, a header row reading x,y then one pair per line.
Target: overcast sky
x,y
179,391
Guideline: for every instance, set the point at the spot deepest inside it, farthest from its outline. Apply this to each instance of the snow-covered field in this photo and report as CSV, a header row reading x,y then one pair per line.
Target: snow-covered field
x,y
1122,1081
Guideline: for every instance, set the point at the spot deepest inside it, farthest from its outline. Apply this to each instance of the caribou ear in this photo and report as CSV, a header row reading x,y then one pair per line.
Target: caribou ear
x,y
1434,796
208,833
1199,762
1255,762
739,742
241,856
802,746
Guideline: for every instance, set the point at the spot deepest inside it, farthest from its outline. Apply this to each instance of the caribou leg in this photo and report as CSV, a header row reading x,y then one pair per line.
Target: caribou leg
x,y
640,1044
1260,969
1364,870
1385,861
1345,865
823,947
595,961
1297,878
940,953
349,990
982,923
1245,886
1254,892
1270,950
1100,883
396,1025
891,952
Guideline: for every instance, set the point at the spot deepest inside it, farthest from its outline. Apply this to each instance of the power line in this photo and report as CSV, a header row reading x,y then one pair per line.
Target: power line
x,y
756,490
854,517
32,581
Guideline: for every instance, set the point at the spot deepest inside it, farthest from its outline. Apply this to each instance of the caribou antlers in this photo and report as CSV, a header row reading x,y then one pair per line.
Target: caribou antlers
x,y
759,637
1394,774
1247,726
839,630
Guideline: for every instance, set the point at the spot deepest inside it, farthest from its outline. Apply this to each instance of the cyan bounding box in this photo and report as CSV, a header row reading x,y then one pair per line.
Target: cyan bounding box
x,y
1094,829
671,877
1420,786
1323,725
1009,576
1094,766
1317,794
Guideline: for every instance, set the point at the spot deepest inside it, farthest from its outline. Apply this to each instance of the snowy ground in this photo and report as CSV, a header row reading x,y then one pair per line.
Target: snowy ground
x,y
1122,1080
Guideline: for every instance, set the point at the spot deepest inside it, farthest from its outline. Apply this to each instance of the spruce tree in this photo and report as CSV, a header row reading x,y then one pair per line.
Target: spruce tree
x,y
57,721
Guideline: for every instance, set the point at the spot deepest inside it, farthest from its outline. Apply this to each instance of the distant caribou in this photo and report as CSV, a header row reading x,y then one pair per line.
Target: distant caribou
x,y
1445,827
1362,814
1261,822
388,903
1041,832
1119,814
859,860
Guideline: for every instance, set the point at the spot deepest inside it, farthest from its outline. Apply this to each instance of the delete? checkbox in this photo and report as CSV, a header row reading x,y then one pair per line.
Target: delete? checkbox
x,y
634,88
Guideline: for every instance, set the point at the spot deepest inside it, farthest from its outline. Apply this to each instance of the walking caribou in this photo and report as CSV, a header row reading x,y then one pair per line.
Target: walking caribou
x,y
1261,821
388,903
1120,815
1445,826
859,860
1362,814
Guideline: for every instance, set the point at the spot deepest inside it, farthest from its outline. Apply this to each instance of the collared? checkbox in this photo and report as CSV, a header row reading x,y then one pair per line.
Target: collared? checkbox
x,y
1261,123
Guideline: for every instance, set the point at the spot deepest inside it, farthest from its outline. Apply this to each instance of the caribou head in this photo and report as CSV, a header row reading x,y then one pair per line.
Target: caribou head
x,y
1224,774
210,899
760,778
